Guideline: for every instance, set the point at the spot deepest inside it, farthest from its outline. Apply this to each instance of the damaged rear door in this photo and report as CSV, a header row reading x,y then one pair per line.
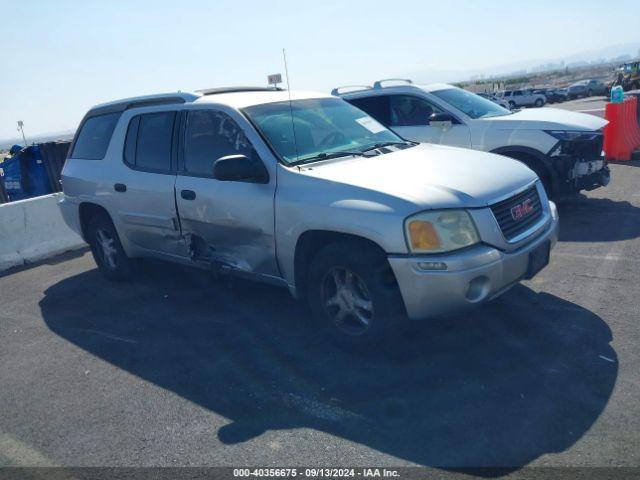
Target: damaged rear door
x,y
227,223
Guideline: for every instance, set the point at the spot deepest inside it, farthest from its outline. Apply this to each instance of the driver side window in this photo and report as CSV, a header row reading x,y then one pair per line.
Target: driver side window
x,y
211,135
407,110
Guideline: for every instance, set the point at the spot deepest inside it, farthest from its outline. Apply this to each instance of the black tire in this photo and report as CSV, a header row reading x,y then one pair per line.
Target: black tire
x,y
370,269
539,102
589,93
115,265
539,169
512,104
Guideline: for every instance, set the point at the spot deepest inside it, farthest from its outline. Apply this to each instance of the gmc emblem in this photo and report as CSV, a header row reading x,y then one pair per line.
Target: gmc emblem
x,y
522,209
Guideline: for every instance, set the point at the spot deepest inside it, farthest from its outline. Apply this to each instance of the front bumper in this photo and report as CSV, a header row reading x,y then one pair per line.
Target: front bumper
x,y
580,164
473,276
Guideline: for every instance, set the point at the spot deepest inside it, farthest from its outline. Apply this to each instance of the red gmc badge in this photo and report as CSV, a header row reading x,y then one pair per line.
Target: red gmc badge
x,y
522,209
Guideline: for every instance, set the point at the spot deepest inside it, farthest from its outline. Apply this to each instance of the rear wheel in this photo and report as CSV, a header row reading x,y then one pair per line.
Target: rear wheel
x,y
353,293
107,249
539,102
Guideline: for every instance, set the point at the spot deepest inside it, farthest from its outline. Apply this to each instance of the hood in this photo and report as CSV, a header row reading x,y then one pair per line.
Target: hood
x,y
429,176
548,119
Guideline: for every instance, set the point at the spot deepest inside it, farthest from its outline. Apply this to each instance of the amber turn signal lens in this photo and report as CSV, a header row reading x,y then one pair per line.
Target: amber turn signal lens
x,y
423,235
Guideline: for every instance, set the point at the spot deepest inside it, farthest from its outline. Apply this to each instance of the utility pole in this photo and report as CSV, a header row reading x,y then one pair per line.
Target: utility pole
x,y
21,130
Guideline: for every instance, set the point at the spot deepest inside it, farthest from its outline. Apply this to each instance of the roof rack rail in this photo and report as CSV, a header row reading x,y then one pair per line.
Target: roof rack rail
x,y
219,90
354,88
379,83
143,101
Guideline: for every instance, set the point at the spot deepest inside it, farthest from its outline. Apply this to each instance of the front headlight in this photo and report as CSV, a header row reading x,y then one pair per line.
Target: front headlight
x,y
571,136
440,231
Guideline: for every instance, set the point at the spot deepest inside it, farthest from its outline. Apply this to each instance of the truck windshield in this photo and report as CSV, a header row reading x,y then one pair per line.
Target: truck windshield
x,y
318,128
471,104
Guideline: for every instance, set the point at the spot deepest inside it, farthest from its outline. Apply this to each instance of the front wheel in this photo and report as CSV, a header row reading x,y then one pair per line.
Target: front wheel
x,y
107,250
539,102
353,294
512,104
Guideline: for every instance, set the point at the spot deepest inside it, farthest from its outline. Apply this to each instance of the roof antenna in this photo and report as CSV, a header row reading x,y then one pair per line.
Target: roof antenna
x,y
293,127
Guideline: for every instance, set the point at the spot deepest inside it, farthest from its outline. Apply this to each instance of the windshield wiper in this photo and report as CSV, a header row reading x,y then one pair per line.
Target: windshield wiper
x,y
326,156
389,144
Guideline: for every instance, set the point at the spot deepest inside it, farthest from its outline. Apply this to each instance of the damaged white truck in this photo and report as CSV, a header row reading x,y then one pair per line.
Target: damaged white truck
x,y
305,191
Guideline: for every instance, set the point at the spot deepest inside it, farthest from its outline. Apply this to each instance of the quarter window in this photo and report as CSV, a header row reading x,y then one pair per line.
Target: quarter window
x,y
211,135
94,137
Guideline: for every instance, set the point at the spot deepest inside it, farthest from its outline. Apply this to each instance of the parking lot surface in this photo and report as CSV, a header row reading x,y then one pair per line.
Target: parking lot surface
x,y
590,105
174,368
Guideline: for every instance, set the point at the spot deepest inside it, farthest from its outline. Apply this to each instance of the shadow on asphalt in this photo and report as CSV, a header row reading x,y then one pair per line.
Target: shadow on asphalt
x,y
523,376
584,219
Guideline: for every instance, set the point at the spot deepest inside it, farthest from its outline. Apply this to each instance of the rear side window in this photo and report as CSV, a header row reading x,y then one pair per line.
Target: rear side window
x,y
377,107
94,137
149,140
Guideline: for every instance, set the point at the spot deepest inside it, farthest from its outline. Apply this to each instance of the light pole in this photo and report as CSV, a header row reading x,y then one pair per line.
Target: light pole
x,y
21,130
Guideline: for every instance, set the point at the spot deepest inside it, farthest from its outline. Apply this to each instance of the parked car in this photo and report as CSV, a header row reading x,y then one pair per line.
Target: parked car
x,y
499,101
522,98
308,192
587,88
552,95
564,148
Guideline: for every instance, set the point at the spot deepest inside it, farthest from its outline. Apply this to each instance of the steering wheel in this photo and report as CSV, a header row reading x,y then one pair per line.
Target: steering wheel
x,y
331,139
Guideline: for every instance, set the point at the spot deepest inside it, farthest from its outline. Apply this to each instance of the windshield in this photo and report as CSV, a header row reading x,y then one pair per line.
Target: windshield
x,y
320,127
471,104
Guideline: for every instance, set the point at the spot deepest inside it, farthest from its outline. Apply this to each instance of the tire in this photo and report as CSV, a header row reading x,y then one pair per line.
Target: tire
x,y
539,102
107,250
539,169
353,294
512,104
589,93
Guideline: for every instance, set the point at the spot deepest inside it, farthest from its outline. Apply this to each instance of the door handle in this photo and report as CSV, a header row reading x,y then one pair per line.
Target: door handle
x,y
188,194
120,187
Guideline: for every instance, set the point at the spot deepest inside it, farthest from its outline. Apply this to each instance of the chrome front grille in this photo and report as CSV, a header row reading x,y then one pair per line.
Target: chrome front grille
x,y
518,213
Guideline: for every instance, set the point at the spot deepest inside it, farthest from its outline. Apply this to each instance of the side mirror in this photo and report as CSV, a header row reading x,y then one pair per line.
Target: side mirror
x,y
442,120
239,168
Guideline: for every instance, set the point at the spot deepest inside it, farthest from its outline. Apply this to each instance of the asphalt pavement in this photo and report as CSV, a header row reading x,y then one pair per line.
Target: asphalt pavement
x,y
174,368
590,105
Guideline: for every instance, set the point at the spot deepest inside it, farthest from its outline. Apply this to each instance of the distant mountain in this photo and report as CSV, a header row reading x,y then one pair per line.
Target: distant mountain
x,y
620,52
5,144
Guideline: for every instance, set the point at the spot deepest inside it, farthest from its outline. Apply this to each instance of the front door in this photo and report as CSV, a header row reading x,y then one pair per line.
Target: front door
x,y
230,223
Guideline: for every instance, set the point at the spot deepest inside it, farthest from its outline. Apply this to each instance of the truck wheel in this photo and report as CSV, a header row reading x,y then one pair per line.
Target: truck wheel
x,y
353,293
107,250
539,102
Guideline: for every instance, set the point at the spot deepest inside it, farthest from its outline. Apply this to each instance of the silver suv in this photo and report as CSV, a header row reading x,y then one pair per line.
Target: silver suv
x,y
311,194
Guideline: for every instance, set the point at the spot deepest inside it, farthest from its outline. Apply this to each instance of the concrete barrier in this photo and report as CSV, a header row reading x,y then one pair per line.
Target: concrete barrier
x,y
32,230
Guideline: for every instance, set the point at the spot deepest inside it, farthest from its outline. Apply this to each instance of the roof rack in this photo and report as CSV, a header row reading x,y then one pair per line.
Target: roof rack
x,y
143,101
219,90
354,88
379,83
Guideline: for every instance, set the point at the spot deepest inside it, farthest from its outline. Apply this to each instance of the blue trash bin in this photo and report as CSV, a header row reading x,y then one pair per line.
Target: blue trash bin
x,y
25,175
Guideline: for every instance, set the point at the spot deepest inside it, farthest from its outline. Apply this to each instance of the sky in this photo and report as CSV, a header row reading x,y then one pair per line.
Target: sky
x,y
58,58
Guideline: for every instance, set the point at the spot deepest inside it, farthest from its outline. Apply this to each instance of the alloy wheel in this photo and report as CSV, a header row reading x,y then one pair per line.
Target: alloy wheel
x,y
347,301
107,248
